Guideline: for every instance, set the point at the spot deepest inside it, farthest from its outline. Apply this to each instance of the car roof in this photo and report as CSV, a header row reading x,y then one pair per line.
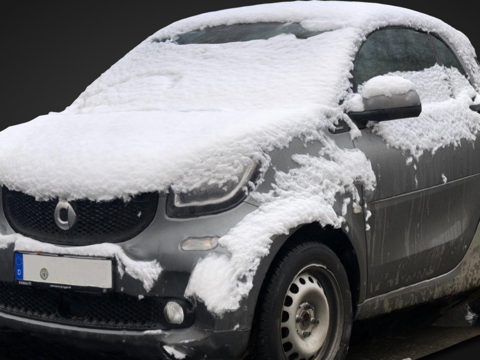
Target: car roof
x,y
332,15
327,15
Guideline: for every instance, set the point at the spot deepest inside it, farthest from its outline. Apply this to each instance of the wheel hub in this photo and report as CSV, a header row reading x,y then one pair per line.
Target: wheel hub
x,y
306,320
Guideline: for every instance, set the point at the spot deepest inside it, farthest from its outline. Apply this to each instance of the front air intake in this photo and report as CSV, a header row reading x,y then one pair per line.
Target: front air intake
x,y
95,222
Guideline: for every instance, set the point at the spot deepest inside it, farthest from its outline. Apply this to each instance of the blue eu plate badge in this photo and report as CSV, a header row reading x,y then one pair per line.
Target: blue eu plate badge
x,y
18,266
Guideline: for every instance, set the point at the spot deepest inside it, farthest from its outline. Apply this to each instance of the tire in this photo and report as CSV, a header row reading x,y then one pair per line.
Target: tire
x,y
307,283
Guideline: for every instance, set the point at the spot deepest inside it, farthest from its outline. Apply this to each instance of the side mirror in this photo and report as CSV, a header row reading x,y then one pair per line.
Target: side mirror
x,y
385,98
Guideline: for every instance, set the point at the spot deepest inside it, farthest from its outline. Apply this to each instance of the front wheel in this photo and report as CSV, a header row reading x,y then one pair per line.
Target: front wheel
x,y
305,311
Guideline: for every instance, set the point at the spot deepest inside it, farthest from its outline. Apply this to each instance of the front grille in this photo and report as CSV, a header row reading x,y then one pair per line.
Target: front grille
x,y
97,222
106,311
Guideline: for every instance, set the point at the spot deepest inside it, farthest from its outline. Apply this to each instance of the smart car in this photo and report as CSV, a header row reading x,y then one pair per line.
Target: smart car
x,y
248,182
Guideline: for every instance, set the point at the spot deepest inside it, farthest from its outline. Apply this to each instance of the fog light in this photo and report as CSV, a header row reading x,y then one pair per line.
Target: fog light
x,y
200,244
174,313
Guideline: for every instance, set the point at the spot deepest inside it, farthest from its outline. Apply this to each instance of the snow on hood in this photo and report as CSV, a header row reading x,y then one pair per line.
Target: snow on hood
x,y
115,155
167,109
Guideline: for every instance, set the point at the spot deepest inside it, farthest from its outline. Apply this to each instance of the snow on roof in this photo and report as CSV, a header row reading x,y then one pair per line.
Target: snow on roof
x,y
329,15
323,15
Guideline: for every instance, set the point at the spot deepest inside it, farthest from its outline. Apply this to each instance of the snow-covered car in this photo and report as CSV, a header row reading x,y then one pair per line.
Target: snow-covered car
x,y
249,181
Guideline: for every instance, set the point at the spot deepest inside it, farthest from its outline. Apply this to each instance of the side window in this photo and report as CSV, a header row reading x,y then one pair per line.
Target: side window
x,y
393,50
446,56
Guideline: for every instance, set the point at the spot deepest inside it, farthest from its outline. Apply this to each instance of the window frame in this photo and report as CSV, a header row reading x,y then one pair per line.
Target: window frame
x,y
438,37
429,34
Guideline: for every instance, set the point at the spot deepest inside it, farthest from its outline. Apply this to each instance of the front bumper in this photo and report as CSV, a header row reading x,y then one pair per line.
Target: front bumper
x,y
210,337
193,343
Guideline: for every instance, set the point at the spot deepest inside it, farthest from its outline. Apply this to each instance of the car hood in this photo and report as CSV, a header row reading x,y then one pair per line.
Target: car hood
x,y
106,156
169,115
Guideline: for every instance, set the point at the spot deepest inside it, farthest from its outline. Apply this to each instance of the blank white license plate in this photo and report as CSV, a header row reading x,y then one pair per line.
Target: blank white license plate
x,y
64,271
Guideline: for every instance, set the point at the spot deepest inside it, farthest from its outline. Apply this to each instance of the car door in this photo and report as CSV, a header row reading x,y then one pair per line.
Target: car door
x,y
424,211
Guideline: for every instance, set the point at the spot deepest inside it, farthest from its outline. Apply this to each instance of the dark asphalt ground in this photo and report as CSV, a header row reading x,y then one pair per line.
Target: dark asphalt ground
x,y
393,337
415,345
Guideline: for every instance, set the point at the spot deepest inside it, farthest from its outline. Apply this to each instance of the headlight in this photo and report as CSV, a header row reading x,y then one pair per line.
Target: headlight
x,y
212,199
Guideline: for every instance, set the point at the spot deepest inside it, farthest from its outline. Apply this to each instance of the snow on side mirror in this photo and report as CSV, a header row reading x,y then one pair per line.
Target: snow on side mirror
x,y
385,98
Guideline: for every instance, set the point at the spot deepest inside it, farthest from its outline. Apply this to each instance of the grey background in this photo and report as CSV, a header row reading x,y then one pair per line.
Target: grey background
x,y
50,51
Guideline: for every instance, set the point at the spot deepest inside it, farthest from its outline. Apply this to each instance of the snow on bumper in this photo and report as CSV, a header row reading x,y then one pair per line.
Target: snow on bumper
x,y
146,272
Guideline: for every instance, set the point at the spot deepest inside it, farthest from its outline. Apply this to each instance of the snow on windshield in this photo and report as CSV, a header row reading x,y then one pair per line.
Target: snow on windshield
x,y
241,32
259,74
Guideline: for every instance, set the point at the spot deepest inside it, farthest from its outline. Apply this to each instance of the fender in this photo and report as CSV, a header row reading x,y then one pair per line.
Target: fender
x,y
352,232
243,320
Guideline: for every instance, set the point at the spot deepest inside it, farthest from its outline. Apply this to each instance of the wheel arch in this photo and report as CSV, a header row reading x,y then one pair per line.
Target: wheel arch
x,y
344,246
348,249
337,241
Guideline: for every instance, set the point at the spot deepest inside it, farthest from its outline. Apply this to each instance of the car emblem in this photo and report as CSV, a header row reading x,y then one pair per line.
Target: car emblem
x,y
44,274
65,216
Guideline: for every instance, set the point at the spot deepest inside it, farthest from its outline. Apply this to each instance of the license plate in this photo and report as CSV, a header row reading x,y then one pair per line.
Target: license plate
x,y
63,271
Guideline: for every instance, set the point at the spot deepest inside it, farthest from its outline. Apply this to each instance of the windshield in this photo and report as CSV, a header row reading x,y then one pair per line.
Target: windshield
x,y
280,72
241,33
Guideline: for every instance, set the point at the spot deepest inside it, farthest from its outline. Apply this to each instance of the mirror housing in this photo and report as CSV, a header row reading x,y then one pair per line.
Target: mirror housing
x,y
387,98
